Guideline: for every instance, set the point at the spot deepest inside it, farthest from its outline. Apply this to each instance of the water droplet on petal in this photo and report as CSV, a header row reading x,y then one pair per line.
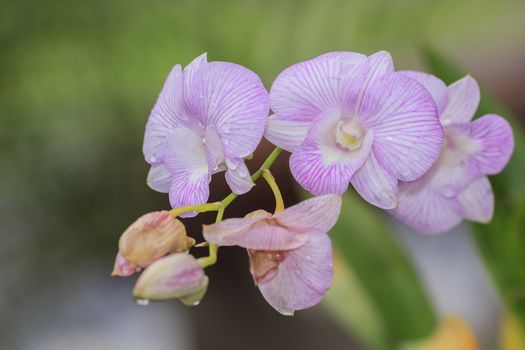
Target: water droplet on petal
x,y
143,302
196,303
308,257
226,142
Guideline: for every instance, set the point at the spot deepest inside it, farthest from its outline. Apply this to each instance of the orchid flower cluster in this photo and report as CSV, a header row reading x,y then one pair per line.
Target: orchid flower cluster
x,y
403,139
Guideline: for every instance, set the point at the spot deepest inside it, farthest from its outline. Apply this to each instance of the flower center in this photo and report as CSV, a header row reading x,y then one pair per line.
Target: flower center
x,y
349,134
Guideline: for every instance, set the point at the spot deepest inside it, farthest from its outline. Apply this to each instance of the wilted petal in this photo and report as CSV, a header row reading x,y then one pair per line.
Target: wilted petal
x,y
238,176
175,276
407,133
375,184
123,267
425,210
318,213
151,237
258,233
185,156
302,278
320,165
307,89
159,178
286,133
463,100
477,200
434,85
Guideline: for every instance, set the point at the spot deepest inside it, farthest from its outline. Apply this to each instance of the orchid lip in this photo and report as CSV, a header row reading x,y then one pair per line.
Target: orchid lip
x,y
349,134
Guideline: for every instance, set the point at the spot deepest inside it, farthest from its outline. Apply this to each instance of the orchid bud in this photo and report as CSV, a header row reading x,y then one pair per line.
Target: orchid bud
x,y
175,276
123,267
153,236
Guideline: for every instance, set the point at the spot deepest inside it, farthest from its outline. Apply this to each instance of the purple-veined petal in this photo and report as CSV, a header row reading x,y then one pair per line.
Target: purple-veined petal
x,y
435,86
185,156
302,278
286,133
407,133
254,233
375,184
233,100
214,151
195,89
477,200
426,210
378,65
167,114
238,176
463,100
319,213
320,165
159,178
307,89
496,142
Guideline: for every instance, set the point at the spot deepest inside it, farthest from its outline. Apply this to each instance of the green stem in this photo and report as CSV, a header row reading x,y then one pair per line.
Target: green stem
x,y
279,203
201,208
222,205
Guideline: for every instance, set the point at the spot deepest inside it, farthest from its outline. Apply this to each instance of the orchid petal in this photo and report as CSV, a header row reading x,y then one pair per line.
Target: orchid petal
x,y
496,142
375,184
463,100
185,157
254,233
477,200
435,86
159,178
167,114
425,210
238,176
305,90
319,165
288,134
233,100
319,213
302,278
407,133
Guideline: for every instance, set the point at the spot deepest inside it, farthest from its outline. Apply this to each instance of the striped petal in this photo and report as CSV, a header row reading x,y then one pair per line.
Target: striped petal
x,y
238,176
425,210
435,86
375,184
320,165
307,89
166,115
254,233
231,99
302,278
407,133
288,134
477,200
185,156
462,101
318,213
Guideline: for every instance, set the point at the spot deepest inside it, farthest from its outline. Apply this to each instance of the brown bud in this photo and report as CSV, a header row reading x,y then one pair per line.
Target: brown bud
x,y
153,236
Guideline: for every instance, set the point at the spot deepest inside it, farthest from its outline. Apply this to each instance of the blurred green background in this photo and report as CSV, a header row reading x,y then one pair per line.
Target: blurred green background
x,y
77,81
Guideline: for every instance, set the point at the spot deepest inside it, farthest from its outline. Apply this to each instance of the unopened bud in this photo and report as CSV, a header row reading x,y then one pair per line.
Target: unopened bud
x,y
175,276
153,236
123,267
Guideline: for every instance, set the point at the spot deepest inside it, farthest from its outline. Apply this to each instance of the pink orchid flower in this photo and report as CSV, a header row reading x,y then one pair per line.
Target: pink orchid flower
x,y
290,252
456,187
207,119
348,118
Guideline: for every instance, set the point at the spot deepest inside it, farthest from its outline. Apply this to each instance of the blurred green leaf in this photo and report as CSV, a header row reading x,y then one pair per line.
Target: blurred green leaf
x,y
366,243
501,242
